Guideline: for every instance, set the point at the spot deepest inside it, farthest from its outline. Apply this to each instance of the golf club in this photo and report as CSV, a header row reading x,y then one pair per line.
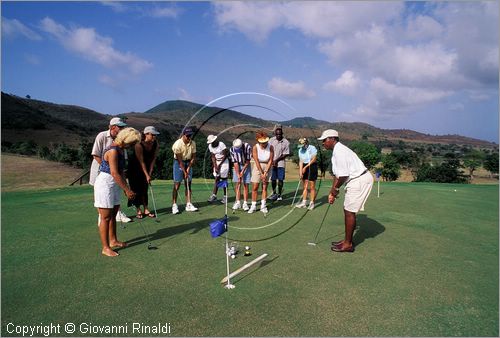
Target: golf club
x,y
320,226
150,245
154,204
296,190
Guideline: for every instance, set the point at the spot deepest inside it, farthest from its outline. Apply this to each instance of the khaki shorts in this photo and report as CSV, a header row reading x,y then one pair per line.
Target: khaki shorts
x,y
357,192
256,175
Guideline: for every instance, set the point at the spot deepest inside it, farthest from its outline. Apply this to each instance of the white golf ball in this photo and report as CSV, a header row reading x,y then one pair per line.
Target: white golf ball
x,y
455,190
247,248
233,256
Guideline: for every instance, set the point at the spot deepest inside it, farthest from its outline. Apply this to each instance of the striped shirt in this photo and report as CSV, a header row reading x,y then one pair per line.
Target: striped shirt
x,y
241,155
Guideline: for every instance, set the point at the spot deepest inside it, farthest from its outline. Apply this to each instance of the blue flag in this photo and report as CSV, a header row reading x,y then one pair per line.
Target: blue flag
x,y
222,184
218,227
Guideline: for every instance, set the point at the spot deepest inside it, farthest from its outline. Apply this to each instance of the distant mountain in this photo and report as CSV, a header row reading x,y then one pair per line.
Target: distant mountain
x,y
47,123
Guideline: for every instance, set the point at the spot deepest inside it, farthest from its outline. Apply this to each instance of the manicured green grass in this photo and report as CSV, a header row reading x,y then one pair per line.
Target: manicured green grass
x,y
426,264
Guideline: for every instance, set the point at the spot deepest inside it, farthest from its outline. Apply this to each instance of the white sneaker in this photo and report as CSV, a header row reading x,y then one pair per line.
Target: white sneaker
x,y
175,209
121,217
237,205
279,198
191,207
245,206
301,204
311,206
223,200
263,209
252,209
212,198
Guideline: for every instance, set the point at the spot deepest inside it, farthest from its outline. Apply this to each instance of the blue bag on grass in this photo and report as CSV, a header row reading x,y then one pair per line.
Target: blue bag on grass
x,y
218,227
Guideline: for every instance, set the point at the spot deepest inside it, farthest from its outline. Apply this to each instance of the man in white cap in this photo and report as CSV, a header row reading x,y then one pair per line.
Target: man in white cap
x,y
102,141
349,169
220,164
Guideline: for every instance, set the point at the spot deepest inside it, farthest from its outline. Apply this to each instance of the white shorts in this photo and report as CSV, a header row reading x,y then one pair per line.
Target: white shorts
x,y
224,170
357,192
107,193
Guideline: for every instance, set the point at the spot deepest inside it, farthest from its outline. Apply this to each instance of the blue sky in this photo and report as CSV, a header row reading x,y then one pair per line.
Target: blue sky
x,y
427,66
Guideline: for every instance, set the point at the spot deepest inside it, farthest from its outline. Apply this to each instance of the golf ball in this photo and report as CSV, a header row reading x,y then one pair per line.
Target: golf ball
x,y
247,248
455,190
233,256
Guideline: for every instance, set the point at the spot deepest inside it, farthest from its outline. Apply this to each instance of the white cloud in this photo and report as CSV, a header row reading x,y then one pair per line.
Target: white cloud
x,y
164,12
12,28
423,27
118,7
88,44
409,55
254,19
295,90
320,19
347,83
144,9
391,99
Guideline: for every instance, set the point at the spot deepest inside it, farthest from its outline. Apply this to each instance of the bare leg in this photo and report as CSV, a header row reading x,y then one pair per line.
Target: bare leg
x,y
350,225
304,192
113,240
312,190
187,185
255,189
175,191
245,192
107,215
264,190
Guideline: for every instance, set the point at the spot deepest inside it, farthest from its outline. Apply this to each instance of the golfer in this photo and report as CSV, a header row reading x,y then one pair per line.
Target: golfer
x,y
184,157
347,168
102,141
263,154
308,172
140,168
220,164
241,154
281,151
108,185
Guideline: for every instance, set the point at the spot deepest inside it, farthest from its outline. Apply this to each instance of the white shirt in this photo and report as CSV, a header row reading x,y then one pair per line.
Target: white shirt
x,y
345,162
102,141
306,155
218,151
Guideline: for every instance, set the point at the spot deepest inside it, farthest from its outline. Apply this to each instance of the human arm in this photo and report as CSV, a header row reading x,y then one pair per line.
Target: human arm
x,y
335,190
112,157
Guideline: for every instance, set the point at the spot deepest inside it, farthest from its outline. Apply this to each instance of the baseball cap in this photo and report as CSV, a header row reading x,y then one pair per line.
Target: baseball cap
x,y
328,133
237,143
151,130
116,121
189,131
211,138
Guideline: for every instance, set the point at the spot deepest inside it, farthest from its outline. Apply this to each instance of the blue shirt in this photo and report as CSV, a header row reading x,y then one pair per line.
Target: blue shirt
x,y
104,167
306,154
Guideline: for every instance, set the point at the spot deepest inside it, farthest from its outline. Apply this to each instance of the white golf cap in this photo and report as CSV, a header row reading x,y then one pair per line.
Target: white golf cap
x,y
328,133
237,143
151,130
116,121
211,138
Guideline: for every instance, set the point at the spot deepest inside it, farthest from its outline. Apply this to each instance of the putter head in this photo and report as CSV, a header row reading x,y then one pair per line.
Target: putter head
x,y
152,247
311,243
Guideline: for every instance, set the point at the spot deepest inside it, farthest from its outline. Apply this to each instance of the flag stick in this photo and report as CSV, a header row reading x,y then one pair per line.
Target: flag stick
x,y
244,267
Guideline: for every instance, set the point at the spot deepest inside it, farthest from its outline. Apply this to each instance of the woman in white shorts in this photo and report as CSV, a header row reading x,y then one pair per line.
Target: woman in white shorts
x,y
263,154
108,186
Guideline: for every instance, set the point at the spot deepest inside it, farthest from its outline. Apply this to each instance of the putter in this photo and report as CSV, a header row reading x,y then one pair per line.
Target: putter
x,y
154,204
296,190
320,226
150,245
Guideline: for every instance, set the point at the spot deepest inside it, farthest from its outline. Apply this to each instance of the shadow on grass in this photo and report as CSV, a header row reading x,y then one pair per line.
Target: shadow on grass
x,y
366,228
261,265
165,233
